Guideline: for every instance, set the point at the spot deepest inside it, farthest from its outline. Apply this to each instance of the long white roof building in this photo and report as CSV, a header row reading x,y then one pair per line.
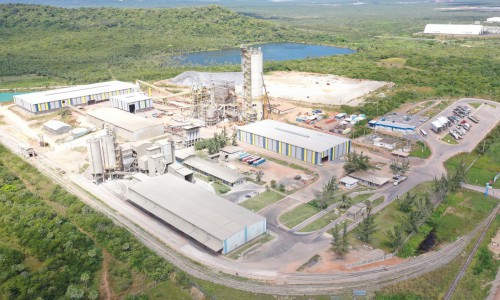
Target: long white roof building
x,y
301,143
453,29
211,220
47,101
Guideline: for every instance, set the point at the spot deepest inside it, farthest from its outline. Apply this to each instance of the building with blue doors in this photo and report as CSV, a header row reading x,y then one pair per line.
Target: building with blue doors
x,y
48,101
300,143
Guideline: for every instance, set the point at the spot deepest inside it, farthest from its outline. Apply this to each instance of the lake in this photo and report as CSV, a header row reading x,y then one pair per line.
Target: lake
x,y
270,51
8,96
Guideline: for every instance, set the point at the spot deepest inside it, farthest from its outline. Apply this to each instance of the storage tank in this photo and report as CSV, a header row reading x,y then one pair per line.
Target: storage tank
x,y
95,158
108,152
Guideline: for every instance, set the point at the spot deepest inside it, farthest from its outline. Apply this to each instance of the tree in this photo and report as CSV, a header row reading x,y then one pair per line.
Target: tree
x,y
400,167
74,292
234,139
345,201
340,243
273,184
282,188
396,238
367,227
259,177
356,162
327,193
406,204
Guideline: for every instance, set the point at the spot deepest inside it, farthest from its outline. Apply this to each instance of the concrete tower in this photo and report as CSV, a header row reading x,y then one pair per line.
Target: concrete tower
x,y
253,85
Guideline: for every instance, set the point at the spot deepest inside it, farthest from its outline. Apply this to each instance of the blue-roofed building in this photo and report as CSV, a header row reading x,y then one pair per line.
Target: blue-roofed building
x,y
392,126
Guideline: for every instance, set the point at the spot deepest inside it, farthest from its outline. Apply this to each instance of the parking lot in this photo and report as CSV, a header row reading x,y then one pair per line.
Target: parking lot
x,y
456,121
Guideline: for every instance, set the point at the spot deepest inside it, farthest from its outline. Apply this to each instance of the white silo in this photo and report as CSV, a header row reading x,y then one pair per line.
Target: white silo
x,y
253,83
108,152
95,156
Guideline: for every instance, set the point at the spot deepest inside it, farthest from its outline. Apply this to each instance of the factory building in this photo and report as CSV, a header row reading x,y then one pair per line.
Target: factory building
x,y
392,126
132,103
47,101
56,127
293,141
225,175
125,125
216,223
453,29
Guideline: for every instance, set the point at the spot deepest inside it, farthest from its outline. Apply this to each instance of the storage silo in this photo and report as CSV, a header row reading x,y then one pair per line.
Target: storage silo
x,y
108,152
95,156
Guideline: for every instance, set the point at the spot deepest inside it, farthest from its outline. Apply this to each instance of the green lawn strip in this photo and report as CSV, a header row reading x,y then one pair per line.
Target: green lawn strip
x,y
420,150
321,222
361,198
476,282
482,171
449,139
220,188
262,200
378,201
297,215
201,177
475,104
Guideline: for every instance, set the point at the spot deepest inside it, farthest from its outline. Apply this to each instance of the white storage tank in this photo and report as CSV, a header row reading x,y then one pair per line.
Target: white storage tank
x,y
108,152
95,158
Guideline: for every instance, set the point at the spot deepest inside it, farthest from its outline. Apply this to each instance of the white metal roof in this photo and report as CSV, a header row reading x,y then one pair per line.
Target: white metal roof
x,y
348,180
122,119
195,205
75,91
231,149
132,97
453,29
369,177
294,135
214,169
437,124
56,125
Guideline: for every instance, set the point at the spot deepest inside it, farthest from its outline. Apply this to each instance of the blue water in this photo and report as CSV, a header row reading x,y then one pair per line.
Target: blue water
x,y
271,52
8,96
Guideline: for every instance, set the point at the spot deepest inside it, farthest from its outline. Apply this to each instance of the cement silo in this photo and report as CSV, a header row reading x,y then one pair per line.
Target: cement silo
x,y
253,83
95,158
108,152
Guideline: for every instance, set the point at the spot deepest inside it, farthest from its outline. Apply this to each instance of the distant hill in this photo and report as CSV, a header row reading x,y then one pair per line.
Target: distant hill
x,y
88,44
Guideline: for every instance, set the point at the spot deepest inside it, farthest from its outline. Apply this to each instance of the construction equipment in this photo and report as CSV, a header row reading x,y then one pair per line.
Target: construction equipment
x,y
267,111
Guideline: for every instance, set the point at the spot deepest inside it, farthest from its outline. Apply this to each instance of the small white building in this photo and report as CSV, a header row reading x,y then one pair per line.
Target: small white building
x,y
56,127
493,20
27,150
453,29
230,152
133,102
349,182
386,143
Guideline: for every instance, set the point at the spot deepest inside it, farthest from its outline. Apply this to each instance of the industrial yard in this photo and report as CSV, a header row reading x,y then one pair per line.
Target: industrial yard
x,y
229,175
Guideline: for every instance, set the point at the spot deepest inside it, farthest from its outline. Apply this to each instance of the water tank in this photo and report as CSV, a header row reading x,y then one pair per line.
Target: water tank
x,y
108,152
95,158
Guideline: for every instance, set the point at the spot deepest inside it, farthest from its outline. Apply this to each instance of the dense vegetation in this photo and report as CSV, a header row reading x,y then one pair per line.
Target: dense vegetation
x,y
89,44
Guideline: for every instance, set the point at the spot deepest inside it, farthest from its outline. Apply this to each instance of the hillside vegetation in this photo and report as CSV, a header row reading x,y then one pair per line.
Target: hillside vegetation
x,y
92,44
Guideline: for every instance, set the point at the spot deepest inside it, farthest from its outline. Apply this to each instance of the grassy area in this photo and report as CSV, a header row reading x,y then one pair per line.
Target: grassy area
x,y
482,171
297,215
378,201
475,104
463,210
259,240
432,285
201,176
220,188
262,200
361,198
449,139
437,109
420,149
320,223
476,284
389,217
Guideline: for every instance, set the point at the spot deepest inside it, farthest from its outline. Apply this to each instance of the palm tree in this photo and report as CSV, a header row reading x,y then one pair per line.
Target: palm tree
x,y
345,202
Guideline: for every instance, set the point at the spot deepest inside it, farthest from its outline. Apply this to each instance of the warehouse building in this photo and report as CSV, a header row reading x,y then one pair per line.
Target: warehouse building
x,y
453,29
47,101
133,102
130,127
216,223
301,143
225,175
392,126
56,127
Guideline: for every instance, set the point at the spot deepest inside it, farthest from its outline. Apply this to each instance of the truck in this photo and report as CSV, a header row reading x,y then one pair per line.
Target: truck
x,y
259,162
473,119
